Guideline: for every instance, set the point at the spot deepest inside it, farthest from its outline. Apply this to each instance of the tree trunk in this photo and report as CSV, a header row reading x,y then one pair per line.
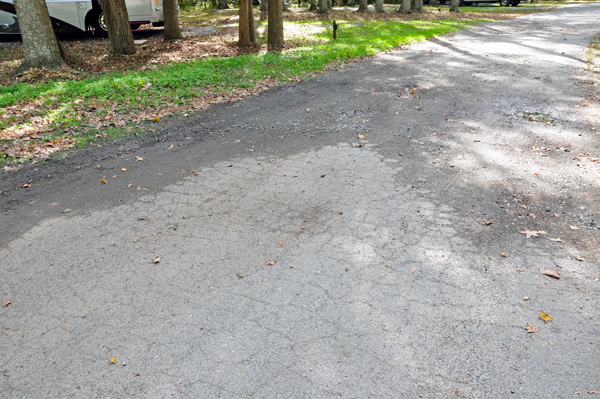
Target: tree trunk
x,y
244,24
313,5
405,7
119,30
362,6
350,3
275,26
284,6
251,22
417,6
379,6
222,5
454,6
172,31
40,44
322,7
329,5
263,9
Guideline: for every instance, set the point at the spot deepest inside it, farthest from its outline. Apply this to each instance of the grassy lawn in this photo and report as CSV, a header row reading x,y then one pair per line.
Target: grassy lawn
x,y
49,119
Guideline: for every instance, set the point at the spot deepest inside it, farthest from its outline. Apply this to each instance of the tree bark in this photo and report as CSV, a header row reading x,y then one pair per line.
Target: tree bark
x,y
379,6
322,7
264,8
119,30
275,26
251,22
284,6
222,5
362,6
39,41
172,31
329,5
454,6
405,7
244,24
313,5
417,6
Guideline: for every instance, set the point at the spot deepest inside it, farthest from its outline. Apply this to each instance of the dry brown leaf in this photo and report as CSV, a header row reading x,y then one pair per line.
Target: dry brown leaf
x,y
170,147
6,304
556,239
413,270
486,222
123,170
531,329
362,136
196,173
593,391
545,317
550,273
270,263
579,258
136,374
103,180
525,298
505,254
357,145
138,158
533,233
156,260
574,227
130,185
421,180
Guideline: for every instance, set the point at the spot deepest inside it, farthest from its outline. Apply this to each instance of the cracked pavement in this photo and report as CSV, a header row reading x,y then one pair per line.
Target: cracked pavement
x,y
301,261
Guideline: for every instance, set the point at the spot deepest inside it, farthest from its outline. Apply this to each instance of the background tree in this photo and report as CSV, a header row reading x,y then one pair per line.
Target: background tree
x,y
284,6
417,6
313,5
404,7
172,31
39,41
264,8
275,26
246,26
222,4
117,24
379,6
362,6
322,7
454,6
329,5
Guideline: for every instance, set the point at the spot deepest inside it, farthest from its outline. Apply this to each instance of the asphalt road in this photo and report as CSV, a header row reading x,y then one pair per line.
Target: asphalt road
x,y
303,261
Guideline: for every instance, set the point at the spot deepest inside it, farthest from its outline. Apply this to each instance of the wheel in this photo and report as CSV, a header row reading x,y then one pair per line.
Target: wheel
x,y
515,3
99,24
505,3
135,26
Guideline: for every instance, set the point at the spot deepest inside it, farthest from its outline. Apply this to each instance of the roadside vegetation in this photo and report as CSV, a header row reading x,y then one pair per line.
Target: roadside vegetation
x,y
111,96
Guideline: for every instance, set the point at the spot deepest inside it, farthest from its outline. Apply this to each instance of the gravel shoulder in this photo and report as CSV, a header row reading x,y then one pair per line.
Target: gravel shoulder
x,y
354,235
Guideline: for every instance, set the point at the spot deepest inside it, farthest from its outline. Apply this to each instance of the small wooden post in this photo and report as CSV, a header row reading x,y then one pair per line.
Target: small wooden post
x,y
335,26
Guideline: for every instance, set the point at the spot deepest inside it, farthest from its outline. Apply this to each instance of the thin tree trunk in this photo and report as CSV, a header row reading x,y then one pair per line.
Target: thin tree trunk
x,y
222,5
264,8
251,23
405,7
417,6
322,7
454,6
275,26
313,5
284,6
362,6
379,6
40,44
243,26
329,5
350,3
172,31
119,30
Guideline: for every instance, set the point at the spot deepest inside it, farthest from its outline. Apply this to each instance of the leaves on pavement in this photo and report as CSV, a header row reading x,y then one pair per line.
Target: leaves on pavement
x,y
550,273
531,328
545,317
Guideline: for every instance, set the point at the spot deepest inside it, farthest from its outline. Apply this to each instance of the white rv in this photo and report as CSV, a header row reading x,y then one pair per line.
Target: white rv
x,y
70,15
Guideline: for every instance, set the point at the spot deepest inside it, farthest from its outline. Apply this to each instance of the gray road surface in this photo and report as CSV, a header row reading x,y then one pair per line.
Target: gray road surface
x,y
304,262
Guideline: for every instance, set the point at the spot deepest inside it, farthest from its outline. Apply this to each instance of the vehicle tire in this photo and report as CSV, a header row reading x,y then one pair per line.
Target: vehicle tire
x,y
135,26
99,24
505,3
515,3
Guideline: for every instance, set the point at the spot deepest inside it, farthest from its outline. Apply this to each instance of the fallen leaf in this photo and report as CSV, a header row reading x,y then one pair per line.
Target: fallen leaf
x,y
6,304
357,145
138,158
556,239
157,119
66,210
103,180
550,273
26,185
545,317
477,141
525,298
505,254
240,275
170,147
421,180
362,136
196,173
531,329
114,359
123,170
156,260
280,244
579,258
270,263
574,227
593,390
533,233
130,185
136,374
556,215
486,222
